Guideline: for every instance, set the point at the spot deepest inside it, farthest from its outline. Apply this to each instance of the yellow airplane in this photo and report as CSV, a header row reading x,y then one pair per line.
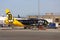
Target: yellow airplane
x,y
11,20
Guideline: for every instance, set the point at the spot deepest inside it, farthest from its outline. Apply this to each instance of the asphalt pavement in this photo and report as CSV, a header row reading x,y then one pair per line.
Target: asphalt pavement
x,y
28,35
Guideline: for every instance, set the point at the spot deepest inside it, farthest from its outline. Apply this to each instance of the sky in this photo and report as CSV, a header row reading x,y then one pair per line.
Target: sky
x,y
30,7
50,6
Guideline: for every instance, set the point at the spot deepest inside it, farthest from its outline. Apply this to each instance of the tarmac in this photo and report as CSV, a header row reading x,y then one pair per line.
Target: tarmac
x,y
29,35
29,30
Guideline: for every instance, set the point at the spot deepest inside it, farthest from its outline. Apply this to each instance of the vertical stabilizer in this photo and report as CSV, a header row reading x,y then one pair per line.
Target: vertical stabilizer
x,y
10,19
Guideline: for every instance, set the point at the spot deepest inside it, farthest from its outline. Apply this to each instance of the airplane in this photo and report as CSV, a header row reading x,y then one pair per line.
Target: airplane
x,y
10,20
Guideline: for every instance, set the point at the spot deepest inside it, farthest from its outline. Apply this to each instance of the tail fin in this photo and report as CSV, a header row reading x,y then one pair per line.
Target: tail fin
x,y
11,19
9,15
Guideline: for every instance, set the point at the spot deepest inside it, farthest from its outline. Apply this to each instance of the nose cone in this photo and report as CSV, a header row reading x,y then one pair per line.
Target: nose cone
x,y
7,11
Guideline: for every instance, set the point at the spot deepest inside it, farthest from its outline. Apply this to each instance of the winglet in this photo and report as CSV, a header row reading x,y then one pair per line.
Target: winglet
x,y
7,11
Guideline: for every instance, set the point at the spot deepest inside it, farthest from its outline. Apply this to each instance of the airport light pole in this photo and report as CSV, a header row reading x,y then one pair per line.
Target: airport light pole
x,y
38,8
